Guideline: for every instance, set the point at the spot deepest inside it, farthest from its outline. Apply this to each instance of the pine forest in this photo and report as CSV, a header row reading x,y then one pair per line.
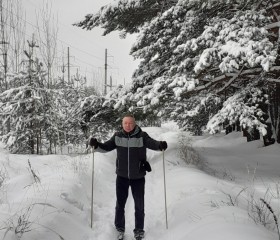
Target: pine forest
x,y
209,66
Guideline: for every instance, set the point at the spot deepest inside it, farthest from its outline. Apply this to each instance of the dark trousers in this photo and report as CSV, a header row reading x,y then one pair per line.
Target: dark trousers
x,y
138,191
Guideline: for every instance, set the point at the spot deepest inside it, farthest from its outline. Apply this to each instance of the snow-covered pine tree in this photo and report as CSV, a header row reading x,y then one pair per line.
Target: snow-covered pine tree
x,y
23,107
196,48
125,16
29,111
76,131
64,126
194,115
97,117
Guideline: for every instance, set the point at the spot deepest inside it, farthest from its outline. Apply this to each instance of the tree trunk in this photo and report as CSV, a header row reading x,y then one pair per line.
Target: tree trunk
x,y
274,110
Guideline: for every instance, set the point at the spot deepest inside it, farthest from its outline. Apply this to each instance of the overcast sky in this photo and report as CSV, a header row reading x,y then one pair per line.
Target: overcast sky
x,y
87,48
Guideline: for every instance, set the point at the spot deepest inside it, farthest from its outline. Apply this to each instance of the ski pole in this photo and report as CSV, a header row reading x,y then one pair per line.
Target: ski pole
x,y
92,181
163,160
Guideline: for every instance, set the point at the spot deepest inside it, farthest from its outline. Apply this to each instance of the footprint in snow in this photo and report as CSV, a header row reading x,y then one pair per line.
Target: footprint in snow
x,y
72,201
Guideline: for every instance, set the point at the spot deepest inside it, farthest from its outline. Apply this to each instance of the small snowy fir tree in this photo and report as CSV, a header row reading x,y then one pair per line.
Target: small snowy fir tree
x,y
23,109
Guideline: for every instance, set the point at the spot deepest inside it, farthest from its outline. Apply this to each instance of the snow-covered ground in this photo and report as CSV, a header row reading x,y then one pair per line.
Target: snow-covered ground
x,y
51,198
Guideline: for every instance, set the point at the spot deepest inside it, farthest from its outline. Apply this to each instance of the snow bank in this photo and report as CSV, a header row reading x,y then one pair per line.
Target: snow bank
x,y
56,204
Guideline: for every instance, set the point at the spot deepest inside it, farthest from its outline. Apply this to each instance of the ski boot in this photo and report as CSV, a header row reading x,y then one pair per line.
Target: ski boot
x,y
139,235
120,236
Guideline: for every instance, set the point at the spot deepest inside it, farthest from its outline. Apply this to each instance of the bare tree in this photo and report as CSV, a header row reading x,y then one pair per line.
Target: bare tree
x,y
4,41
17,35
12,38
47,32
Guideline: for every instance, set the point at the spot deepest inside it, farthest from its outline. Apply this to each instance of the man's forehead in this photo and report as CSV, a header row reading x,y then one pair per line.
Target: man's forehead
x,y
128,119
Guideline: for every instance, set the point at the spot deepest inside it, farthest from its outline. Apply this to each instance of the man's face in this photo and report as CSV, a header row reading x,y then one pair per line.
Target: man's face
x,y
128,124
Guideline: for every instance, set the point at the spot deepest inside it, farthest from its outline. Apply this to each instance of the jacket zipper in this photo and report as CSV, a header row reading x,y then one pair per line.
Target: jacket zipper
x,y
128,171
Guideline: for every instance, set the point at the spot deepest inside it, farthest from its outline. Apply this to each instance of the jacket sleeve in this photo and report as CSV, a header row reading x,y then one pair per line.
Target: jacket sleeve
x,y
150,142
108,145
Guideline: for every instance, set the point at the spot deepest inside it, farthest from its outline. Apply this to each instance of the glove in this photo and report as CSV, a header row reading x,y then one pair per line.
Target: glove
x,y
145,166
162,145
93,142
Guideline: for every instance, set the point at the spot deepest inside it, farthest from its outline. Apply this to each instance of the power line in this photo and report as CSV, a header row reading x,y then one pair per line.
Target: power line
x,y
62,41
36,28
67,26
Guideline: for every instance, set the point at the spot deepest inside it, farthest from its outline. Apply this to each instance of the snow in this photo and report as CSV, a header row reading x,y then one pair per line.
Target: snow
x,y
56,204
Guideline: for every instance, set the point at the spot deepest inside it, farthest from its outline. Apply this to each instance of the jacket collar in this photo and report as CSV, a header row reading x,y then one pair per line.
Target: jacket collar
x,y
136,130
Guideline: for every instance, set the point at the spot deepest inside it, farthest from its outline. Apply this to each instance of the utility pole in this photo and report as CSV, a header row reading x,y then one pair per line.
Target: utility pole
x,y
63,70
5,62
111,83
68,64
106,66
5,66
4,43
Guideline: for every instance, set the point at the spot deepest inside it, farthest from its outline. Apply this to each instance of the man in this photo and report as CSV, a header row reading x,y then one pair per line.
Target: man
x,y
131,144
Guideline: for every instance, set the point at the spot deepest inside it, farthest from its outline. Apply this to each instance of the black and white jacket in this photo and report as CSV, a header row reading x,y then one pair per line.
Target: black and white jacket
x,y
131,150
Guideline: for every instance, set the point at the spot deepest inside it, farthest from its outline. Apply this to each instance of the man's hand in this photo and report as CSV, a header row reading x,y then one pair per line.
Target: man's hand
x,y
93,142
162,145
